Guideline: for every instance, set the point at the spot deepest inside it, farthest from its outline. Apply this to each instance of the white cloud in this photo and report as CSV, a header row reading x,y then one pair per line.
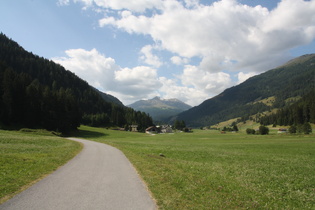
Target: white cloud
x,y
149,58
189,95
291,15
243,76
226,37
139,81
178,60
226,34
129,84
142,82
194,86
95,68
210,83
63,2
135,5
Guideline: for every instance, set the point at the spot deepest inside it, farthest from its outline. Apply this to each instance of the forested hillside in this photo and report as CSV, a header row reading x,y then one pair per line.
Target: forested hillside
x,y
301,112
36,92
293,80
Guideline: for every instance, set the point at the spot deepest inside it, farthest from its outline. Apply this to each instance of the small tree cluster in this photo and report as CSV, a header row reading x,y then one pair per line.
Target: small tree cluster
x,y
301,128
233,128
262,130
250,131
179,124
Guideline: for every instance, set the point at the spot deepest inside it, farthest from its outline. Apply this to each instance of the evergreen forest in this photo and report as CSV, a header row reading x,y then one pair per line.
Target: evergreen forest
x,y
37,93
299,113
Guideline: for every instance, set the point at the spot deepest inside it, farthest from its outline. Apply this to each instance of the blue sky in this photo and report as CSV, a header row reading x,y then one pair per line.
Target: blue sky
x,y
186,49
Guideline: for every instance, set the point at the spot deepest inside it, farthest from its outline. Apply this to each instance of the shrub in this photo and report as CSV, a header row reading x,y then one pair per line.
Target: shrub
x,y
250,131
292,129
263,130
307,129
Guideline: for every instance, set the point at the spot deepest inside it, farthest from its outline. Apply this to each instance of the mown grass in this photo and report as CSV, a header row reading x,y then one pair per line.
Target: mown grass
x,y
208,170
27,156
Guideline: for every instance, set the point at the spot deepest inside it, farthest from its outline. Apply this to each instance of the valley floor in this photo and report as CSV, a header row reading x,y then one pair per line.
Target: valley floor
x,y
209,170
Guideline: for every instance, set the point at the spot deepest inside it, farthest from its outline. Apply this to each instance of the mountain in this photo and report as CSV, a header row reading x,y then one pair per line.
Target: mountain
x,y
160,109
109,98
273,89
36,92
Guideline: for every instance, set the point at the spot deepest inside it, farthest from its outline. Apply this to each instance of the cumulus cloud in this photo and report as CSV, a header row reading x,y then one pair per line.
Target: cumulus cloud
x,y
243,76
136,6
225,36
63,2
95,68
179,61
141,80
210,83
149,58
103,73
189,95
131,84
225,31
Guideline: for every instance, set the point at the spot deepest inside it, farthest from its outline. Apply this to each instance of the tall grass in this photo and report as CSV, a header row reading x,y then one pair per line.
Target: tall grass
x,y
28,156
208,170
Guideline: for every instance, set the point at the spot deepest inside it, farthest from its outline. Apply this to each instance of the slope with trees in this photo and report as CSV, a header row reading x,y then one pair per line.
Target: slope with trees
x,y
36,92
300,112
294,79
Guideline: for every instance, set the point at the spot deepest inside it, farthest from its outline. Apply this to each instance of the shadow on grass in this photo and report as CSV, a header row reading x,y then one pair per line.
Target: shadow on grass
x,y
88,134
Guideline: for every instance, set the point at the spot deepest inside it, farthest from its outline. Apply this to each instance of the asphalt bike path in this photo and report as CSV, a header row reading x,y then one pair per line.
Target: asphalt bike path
x,y
99,177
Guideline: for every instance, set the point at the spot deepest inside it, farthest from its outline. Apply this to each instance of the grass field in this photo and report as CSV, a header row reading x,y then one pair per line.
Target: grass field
x,y
208,170
26,157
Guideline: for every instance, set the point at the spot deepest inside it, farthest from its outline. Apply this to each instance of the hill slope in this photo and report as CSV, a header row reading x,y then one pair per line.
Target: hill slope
x,y
36,92
160,109
292,80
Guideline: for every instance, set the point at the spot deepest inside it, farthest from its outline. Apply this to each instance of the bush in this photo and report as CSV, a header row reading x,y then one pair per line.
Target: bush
x,y
307,129
250,131
187,130
304,128
292,129
263,130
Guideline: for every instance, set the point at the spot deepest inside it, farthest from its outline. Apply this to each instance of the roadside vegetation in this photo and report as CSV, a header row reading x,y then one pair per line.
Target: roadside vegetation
x,y
209,170
29,155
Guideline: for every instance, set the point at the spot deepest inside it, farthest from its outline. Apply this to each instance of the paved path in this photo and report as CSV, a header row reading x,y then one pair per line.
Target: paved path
x,y
99,177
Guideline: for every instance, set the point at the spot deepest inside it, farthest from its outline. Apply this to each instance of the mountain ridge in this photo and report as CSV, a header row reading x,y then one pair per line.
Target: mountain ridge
x,y
294,78
160,109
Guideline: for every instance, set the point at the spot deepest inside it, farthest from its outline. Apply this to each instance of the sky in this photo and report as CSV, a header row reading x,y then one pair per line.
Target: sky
x,y
191,50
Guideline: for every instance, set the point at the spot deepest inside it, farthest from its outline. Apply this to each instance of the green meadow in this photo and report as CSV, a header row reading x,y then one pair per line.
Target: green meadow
x,y
29,155
209,170
199,170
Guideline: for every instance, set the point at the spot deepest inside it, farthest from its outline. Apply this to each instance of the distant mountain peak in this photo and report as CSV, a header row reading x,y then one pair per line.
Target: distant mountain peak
x,y
160,108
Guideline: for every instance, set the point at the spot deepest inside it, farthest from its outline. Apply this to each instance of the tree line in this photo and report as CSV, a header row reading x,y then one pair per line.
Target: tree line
x,y
120,116
299,113
24,101
36,92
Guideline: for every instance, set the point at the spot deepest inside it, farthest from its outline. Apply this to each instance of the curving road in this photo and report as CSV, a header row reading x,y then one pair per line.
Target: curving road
x,y
99,177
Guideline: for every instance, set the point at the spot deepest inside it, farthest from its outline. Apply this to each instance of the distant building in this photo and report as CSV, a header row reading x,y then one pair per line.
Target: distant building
x,y
152,130
282,130
134,128
166,129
